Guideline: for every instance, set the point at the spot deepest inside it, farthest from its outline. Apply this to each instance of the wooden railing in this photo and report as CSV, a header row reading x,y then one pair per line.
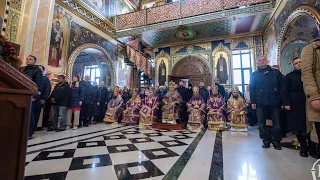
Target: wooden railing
x,y
177,10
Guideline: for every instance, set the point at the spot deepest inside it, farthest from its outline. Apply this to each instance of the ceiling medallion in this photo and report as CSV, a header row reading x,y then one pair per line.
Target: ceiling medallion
x,y
185,33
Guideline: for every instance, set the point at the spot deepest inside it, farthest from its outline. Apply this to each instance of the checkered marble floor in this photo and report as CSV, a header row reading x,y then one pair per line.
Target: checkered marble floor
x,y
132,153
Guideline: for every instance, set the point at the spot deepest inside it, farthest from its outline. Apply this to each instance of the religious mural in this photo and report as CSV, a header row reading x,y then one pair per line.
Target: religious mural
x,y
271,44
291,51
80,35
104,7
221,63
124,72
59,38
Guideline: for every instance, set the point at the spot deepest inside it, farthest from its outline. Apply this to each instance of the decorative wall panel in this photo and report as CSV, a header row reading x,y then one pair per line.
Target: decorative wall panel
x,y
241,42
163,13
130,20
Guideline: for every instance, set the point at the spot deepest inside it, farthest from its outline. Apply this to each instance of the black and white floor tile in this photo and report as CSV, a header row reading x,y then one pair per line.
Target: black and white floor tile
x,y
132,152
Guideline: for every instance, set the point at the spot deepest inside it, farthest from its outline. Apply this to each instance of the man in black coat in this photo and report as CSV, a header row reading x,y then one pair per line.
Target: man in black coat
x,y
86,87
221,89
189,92
35,74
60,98
45,92
103,100
265,97
95,103
183,110
203,92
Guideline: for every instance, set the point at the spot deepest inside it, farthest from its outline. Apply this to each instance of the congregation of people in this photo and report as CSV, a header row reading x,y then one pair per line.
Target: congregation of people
x,y
270,95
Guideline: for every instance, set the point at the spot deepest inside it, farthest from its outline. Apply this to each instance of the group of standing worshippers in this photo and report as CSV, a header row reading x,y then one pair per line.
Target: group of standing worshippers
x,y
299,95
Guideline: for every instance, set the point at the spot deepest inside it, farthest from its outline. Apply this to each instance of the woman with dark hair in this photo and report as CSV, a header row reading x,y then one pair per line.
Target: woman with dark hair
x,y
75,102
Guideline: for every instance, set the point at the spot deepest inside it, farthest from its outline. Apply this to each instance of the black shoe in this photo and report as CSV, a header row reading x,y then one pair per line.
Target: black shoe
x,y
303,154
59,130
30,137
266,144
51,129
39,129
86,125
276,146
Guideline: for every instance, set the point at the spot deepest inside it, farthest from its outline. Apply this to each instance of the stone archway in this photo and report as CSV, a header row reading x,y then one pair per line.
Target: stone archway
x,y
194,68
79,49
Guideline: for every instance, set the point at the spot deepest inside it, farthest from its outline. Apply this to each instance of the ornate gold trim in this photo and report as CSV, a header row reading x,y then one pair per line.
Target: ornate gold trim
x,y
101,26
300,11
222,48
79,49
194,42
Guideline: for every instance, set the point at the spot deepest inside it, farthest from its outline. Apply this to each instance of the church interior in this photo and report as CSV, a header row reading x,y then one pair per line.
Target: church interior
x,y
141,44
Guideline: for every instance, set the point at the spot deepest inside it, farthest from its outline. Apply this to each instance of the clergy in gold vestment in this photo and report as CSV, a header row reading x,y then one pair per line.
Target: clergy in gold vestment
x,y
216,106
237,110
131,114
115,108
197,110
150,108
171,101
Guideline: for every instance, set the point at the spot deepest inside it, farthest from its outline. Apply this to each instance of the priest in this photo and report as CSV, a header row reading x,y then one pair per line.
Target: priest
x,y
171,104
237,110
131,114
115,108
197,110
150,108
216,106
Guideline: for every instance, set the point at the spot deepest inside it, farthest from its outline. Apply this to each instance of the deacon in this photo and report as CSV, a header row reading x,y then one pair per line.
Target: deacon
x,y
150,108
197,110
131,114
237,110
216,106
115,108
171,103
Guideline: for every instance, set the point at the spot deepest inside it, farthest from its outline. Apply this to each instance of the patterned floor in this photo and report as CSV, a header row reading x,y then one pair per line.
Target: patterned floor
x,y
102,152
133,153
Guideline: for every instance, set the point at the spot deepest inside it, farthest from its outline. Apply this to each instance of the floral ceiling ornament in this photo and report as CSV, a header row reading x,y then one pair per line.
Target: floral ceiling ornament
x,y
185,33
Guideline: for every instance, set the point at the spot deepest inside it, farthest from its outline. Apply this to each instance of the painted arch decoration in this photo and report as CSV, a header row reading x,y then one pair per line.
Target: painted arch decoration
x,y
301,27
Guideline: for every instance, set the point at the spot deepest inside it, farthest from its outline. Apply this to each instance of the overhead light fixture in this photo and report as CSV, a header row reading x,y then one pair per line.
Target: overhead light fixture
x,y
241,7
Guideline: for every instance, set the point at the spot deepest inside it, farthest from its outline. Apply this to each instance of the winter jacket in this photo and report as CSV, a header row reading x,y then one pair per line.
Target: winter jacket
x,y
35,74
183,93
87,91
45,89
310,71
126,96
265,87
95,97
61,93
103,95
76,95
204,93
221,90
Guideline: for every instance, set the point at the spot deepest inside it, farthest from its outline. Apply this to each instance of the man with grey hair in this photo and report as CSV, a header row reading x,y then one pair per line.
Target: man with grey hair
x,y
265,98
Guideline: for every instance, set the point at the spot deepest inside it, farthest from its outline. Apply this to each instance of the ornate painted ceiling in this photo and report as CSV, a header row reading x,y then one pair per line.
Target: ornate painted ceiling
x,y
230,26
301,28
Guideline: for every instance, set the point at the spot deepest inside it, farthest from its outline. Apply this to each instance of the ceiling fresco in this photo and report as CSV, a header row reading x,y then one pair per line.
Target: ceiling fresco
x,y
244,23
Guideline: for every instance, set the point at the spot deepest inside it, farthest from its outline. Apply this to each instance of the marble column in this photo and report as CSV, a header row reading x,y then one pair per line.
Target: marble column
x,y
27,27
41,40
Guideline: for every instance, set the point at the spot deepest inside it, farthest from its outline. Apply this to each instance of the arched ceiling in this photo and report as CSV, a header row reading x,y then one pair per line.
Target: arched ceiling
x,y
301,28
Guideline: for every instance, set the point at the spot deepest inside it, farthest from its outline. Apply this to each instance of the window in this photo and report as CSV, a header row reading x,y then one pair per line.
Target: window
x,y
94,73
242,68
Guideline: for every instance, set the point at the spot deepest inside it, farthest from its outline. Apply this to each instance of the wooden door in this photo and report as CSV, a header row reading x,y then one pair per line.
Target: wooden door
x,y
194,68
